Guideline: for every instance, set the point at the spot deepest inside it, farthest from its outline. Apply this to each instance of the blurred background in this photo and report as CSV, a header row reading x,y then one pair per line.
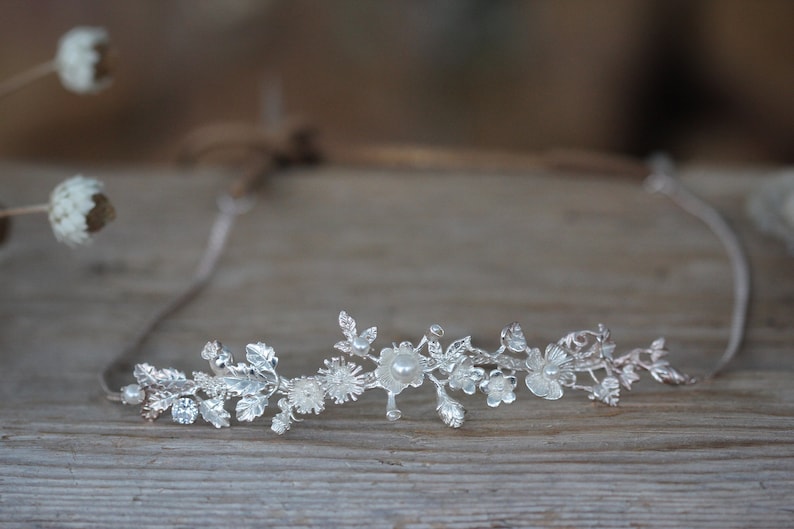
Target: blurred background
x,y
705,80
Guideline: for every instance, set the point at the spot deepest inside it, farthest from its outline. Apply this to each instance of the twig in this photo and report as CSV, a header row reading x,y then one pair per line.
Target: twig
x,y
23,79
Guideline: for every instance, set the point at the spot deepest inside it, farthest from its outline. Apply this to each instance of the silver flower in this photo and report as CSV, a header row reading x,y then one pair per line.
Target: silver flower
x,y
499,388
548,374
466,377
400,367
608,391
306,395
341,380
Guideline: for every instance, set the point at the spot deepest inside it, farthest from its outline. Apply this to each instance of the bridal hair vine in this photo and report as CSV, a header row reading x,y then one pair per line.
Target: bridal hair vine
x,y
586,360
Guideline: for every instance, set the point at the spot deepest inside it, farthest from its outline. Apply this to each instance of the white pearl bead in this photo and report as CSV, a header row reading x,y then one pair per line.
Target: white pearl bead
x,y
551,370
405,367
360,346
132,394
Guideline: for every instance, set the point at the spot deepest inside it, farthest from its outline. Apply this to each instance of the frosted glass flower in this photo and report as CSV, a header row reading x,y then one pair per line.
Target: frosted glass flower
x,y
77,209
499,388
548,374
82,60
341,380
306,395
400,367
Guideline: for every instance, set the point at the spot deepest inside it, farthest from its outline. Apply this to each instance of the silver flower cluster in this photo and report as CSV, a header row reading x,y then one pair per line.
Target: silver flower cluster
x,y
460,367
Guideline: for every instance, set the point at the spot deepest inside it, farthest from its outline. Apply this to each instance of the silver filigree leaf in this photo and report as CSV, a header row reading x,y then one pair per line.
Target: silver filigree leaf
x,y
513,338
627,375
607,391
348,325
262,357
449,410
658,349
250,407
663,372
370,334
241,386
156,403
170,379
343,346
213,412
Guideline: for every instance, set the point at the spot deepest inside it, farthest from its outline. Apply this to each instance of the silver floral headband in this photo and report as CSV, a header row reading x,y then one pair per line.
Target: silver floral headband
x,y
582,360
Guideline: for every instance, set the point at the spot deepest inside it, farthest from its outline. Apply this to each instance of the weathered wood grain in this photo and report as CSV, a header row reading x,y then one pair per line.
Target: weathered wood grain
x,y
471,252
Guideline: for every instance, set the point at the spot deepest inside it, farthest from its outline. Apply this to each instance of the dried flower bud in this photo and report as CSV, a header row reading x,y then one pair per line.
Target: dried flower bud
x,y
83,60
77,209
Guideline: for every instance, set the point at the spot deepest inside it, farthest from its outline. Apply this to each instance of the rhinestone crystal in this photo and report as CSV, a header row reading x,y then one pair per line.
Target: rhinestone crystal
x,y
184,411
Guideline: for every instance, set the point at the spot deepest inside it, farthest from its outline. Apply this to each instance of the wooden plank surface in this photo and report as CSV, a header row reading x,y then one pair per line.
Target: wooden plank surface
x,y
400,250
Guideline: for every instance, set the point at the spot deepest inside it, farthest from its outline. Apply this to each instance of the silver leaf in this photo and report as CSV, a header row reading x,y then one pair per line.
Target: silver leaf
x,y
250,407
459,347
262,357
343,346
370,334
663,372
513,338
213,412
148,375
348,326
244,386
627,376
450,410
156,403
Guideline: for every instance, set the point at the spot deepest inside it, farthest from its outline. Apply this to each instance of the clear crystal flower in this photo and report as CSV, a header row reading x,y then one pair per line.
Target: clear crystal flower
x,y
341,380
82,60
499,388
306,395
548,374
399,367
465,376
184,411
77,209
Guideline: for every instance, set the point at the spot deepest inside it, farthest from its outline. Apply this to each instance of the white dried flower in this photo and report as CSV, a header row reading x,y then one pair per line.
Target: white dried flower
x,y
77,209
82,60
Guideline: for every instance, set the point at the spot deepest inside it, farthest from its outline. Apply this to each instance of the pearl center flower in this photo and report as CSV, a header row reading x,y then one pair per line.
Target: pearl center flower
x,y
405,367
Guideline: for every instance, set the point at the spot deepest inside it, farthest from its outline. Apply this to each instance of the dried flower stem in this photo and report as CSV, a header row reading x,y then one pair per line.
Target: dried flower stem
x,y
23,79
24,210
